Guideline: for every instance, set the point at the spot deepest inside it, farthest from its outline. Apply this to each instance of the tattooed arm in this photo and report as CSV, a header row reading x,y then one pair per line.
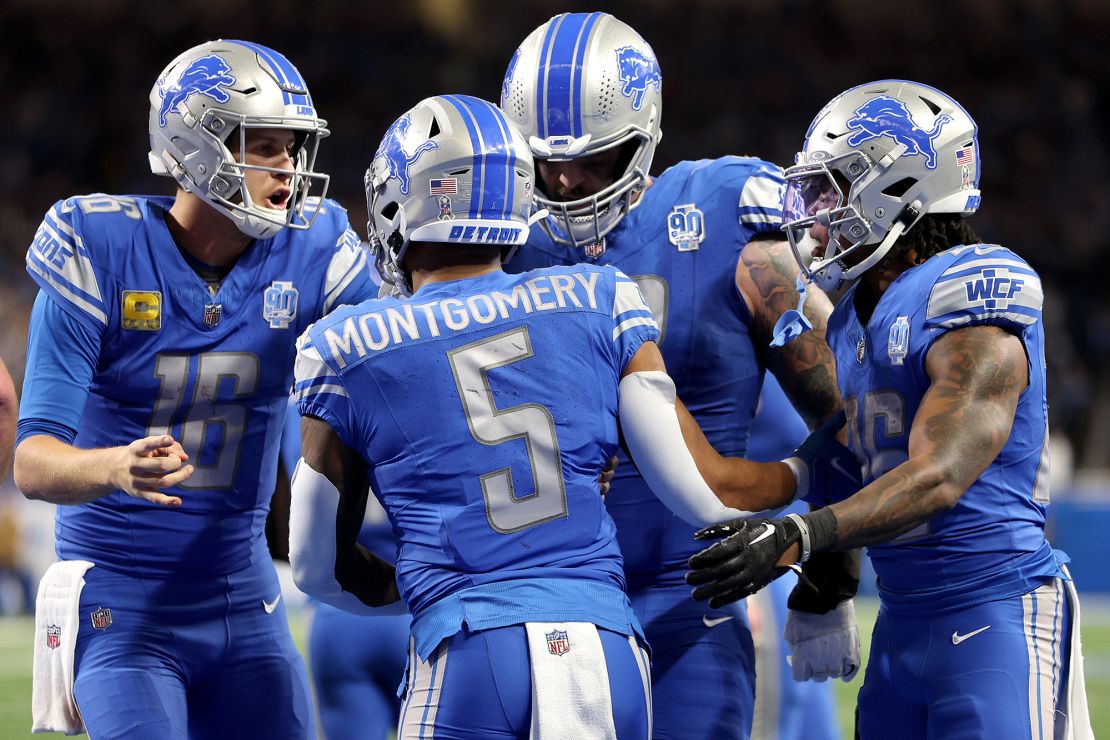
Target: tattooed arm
x,y
977,375
766,274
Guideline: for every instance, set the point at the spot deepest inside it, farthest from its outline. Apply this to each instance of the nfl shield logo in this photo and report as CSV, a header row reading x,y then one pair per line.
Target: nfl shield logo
x,y
557,642
53,636
212,314
594,250
102,618
861,349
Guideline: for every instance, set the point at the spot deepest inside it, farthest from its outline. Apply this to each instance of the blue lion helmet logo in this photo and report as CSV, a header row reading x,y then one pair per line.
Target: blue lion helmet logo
x,y
887,116
395,155
637,71
505,84
205,76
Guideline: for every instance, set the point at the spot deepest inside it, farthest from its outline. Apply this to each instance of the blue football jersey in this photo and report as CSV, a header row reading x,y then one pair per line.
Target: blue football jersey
x,y
991,544
681,245
484,409
213,371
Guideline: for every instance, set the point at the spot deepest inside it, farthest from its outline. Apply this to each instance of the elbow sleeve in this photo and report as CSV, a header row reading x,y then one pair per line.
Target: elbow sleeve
x,y
654,437
313,509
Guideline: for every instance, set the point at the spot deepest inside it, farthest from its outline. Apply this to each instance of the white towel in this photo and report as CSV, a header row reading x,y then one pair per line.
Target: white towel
x,y
57,617
570,683
1076,722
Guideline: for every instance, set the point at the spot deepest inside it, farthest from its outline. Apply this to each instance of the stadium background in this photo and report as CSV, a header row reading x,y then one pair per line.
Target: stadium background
x,y
742,77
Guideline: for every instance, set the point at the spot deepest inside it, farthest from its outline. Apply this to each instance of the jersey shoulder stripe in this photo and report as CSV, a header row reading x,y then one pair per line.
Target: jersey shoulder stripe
x,y
985,284
347,263
629,307
61,264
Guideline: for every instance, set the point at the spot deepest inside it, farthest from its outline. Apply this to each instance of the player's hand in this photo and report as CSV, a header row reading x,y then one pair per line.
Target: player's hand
x,y
147,466
830,472
823,645
606,476
753,553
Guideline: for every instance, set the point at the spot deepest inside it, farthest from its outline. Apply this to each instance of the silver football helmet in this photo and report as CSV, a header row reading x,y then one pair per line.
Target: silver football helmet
x,y
579,84
200,110
452,170
875,160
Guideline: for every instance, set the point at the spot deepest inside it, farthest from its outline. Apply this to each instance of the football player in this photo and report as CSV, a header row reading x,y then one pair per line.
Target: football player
x,y
481,408
940,357
703,242
160,356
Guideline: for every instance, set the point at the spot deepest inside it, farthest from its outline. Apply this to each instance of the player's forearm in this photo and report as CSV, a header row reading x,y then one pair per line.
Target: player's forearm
x,y
47,469
9,412
738,483
372,580
898,501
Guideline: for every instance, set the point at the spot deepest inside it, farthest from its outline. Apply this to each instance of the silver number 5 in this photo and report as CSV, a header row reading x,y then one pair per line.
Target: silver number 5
x,y
489,425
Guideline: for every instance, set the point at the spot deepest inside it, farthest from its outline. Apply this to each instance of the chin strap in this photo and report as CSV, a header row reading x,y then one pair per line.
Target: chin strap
x,y
793,323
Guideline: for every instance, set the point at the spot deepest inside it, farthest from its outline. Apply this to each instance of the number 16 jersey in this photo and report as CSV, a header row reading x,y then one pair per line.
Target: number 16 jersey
x,y
127,341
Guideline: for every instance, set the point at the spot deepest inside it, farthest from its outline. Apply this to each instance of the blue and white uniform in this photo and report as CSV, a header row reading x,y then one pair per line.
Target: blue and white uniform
x,y
181,630
974,624
484,409
681,244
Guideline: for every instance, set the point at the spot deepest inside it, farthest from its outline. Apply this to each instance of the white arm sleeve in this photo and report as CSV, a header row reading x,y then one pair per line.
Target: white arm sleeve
x,y
654,437
313,509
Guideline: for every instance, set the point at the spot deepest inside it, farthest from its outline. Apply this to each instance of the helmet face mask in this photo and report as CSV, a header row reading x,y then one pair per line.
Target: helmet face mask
x,y
204,107
876,159
581,84
452,170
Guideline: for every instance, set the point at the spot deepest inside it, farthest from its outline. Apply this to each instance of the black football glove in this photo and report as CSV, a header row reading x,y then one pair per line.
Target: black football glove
x,y
743,562
827,471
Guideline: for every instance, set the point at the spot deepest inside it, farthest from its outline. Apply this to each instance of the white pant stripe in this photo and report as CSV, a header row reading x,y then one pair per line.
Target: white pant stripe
x,y
418,716
644,664
1043,628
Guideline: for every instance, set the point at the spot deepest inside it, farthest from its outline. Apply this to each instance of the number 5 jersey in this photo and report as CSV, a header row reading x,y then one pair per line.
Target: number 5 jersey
x,y
484,409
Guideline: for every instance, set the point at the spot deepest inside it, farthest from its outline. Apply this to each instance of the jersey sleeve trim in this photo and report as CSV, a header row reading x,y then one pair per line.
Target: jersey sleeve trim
x,y
629,308
348,262
760,202
60,263
996,290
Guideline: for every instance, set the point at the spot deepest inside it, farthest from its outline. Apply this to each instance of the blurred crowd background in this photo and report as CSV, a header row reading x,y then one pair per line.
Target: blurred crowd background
x,y
739,77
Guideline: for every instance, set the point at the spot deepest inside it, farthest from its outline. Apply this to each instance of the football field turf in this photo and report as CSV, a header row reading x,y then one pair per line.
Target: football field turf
x,y
15,669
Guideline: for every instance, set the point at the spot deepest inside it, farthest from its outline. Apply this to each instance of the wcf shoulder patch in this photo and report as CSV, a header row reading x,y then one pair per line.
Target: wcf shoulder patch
x,y
141,310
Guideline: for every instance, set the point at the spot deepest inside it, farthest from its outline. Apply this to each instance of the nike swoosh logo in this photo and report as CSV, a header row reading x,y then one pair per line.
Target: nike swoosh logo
x,y
269,606
713,622
957,638
767,532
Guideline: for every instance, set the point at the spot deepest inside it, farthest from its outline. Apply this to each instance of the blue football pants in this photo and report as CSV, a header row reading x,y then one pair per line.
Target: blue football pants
x,y
189,659
994,670
357,663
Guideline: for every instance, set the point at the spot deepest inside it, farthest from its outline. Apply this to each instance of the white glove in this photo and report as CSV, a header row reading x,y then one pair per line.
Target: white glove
x,y
823,645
